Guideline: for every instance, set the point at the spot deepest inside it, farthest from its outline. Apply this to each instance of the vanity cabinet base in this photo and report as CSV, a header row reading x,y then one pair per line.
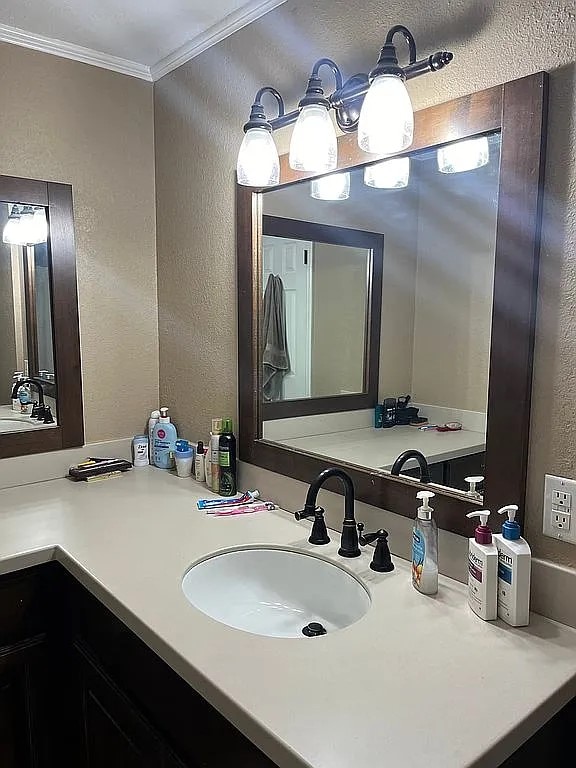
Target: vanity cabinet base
x,y
78,688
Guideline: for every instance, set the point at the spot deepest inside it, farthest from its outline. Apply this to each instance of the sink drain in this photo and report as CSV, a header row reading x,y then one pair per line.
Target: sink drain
x,y
314,629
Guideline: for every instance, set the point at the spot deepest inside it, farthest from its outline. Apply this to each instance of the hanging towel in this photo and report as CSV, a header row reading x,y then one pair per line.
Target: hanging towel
x,y
275,357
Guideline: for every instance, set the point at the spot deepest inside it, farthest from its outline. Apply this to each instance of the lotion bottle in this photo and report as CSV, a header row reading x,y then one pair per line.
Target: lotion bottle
x,y
199,473
215,454
164,441
514,565
425,548
482,569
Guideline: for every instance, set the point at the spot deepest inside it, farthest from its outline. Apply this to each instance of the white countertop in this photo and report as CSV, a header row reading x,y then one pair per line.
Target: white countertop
x,y
417,681
379,448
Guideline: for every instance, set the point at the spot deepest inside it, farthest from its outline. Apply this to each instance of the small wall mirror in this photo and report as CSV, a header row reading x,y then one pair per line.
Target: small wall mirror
x,y
40,382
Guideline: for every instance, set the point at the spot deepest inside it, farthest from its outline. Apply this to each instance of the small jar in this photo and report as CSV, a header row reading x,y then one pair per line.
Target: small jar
x,y
140,457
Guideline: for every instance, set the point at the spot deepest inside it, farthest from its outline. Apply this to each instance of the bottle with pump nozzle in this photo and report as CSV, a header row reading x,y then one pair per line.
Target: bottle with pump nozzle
x,y
425,548
514,565
199,473
164,441
473,481
482,569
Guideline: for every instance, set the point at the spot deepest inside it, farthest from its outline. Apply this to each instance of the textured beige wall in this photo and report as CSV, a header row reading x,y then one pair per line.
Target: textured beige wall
x,y
454,284
338,319
65,121
200,109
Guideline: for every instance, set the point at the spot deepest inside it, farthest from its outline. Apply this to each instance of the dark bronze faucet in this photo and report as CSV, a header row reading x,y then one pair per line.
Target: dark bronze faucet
x,y
349,541
422,463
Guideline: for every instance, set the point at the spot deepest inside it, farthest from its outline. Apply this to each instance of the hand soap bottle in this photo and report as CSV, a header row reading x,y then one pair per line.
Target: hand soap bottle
x,y
482,569
164,441
425,548
514,564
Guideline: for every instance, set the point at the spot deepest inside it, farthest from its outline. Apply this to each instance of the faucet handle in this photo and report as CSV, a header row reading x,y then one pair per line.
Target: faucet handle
x,y
382,559
319,534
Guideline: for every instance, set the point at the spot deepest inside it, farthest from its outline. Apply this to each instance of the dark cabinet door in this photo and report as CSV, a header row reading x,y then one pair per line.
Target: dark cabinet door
x,y
115,733
23,733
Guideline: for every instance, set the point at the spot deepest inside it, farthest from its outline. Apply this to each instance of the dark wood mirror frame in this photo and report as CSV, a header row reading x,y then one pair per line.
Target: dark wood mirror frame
x,y
66,336
374,242
518,109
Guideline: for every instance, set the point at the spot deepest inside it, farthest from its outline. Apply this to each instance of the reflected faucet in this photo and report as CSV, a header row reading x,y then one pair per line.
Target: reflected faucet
x,y
37,384
422,463
349,541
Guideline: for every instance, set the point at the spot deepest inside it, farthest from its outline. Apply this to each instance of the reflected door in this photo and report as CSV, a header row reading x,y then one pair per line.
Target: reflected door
x,y
292,261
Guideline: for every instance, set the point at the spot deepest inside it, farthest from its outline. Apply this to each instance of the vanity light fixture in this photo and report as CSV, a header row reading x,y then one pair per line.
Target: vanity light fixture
x,y
10,233
464,155
333,187
376,105
388,174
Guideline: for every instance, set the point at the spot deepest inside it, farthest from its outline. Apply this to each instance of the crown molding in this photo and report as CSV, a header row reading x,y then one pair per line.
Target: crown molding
x,y
214,34
70,51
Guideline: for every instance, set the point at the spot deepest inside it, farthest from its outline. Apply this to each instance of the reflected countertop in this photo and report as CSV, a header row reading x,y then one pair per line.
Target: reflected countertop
x,y
416,681
379,448
14,421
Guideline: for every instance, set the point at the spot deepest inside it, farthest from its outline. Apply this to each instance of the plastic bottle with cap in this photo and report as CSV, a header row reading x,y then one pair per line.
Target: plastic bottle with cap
x,y
184,458
473,481
425,547
482,569
164,441
514,566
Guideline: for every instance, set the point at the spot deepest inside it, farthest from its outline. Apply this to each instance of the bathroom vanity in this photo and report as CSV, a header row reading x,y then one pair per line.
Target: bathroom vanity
x,y
99,643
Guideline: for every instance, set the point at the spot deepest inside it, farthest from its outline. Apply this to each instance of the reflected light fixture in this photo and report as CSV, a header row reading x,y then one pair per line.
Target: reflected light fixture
x,y
464,155
376,105
333,187
26,225
388,174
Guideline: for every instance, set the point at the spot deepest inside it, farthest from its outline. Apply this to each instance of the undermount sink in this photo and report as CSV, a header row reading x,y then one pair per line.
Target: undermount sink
x,y
275,592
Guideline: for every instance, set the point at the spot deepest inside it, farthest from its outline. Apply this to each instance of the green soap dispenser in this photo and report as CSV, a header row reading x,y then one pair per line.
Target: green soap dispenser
x,y
425,548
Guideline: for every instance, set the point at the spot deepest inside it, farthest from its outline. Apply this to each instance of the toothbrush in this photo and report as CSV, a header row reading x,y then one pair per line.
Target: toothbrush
x,y
217,503
245,509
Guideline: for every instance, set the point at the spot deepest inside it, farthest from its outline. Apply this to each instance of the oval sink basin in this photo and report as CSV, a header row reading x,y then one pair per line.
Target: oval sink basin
x,y
275,592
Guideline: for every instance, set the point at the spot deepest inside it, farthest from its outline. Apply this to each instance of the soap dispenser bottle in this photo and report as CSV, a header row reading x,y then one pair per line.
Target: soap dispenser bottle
x,y
514,565
482,569
425,548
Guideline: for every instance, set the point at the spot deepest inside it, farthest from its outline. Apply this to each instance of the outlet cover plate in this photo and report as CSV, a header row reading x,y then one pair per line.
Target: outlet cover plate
x,y
559,512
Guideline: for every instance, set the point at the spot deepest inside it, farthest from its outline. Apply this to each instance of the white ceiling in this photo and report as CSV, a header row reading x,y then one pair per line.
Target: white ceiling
x,y
144,38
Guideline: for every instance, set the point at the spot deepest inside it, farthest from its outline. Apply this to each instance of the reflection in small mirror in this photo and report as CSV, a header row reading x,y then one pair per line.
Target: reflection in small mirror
x,y
27,376
437,216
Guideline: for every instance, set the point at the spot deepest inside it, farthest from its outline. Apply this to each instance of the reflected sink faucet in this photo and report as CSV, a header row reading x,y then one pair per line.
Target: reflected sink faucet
x,y
422,463
349,541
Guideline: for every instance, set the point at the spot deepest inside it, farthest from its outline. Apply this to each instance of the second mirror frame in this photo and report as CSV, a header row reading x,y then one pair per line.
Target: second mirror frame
x,y
518,109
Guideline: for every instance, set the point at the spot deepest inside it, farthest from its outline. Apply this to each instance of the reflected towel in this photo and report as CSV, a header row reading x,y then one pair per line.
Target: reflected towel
x,y
275,357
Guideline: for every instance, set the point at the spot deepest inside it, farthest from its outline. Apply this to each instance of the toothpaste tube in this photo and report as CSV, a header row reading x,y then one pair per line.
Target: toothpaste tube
x,y
244,509
228,502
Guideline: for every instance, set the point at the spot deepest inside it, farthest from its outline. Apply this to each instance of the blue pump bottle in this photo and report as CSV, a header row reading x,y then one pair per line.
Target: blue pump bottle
x,y
164,441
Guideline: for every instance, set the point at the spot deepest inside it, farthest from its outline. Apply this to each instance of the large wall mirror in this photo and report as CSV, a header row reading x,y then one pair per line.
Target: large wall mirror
x,y
409,284
40,381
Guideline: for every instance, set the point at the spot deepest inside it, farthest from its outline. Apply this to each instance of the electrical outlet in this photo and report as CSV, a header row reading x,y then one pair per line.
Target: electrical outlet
x,y
558,494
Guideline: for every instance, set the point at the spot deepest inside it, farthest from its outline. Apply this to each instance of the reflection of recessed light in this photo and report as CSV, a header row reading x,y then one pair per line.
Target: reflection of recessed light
x,y
333,187
465,155
389,174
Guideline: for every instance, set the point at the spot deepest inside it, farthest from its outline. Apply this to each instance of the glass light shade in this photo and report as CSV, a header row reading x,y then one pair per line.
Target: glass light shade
x,y
258,164
389,174
11,232
313,146
39,227
386,122
26,228
465,155
334,187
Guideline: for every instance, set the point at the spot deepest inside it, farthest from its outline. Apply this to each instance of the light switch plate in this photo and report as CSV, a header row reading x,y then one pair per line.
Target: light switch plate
x,y
559,513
